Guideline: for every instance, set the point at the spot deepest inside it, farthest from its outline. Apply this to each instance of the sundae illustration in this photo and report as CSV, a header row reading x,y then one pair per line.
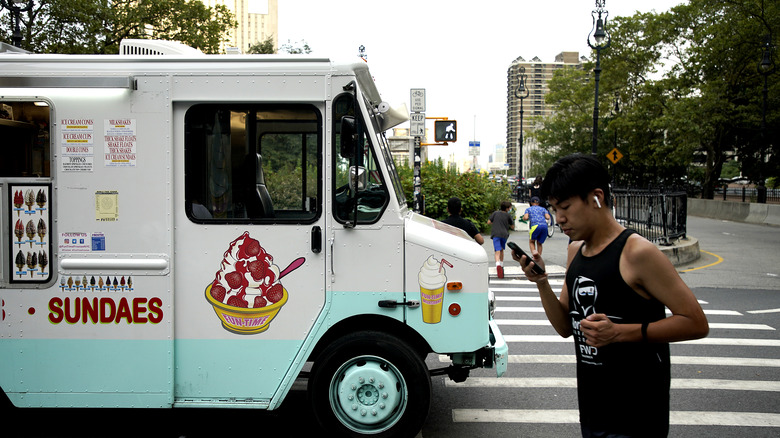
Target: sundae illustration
x,y
246,292
432,278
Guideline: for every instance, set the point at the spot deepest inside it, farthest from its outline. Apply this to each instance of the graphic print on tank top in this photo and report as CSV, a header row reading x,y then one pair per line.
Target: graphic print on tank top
x,y
585,294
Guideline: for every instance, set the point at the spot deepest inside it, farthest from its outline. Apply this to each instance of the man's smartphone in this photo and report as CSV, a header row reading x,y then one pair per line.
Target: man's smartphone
x,y
536,268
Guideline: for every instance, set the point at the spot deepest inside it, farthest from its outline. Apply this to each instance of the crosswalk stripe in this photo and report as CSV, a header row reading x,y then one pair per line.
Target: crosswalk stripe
x,y
741,342
713,325
571,382
571,416
676,360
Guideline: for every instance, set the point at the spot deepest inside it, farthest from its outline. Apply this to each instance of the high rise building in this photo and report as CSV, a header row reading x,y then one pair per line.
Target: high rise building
x,y
257,21
537,75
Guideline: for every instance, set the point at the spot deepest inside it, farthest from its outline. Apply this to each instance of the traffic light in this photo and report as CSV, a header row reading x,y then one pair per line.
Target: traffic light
x,y
445,130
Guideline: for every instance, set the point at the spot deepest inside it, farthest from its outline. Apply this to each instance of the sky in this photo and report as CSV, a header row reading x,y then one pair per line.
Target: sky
x,y
458,51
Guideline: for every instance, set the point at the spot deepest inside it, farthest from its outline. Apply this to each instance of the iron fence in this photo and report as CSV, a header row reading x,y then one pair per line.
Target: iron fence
x,y
659,215
746,194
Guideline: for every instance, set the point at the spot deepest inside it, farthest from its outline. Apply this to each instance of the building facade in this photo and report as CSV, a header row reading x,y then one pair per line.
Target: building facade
x,y
257,21
537,75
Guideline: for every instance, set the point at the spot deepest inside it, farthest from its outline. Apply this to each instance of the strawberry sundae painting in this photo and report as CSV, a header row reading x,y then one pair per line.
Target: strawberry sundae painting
x,y
247,292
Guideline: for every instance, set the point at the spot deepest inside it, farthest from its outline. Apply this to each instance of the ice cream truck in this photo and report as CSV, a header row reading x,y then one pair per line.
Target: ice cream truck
x,y
188,230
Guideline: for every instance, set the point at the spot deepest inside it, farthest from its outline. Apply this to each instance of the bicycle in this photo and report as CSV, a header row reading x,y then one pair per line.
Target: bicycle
x,y
551,221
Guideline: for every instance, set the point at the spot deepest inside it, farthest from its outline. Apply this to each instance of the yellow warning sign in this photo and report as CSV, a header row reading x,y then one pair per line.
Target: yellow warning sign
x,y
614,156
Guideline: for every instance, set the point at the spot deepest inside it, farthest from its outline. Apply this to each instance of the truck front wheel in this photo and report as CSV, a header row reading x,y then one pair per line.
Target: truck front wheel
x,y
370,384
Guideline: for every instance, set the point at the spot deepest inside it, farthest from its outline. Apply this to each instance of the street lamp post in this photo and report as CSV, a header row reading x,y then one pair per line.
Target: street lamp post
x,y
16,7
601,41
521,93
765,68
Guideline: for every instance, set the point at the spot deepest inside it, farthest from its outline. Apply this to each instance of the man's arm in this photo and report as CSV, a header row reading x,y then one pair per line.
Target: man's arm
x,y
556,308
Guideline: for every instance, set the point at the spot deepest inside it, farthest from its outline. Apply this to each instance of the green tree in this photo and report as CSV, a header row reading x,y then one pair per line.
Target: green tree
x,y
265,47
480,196
97,26
703,106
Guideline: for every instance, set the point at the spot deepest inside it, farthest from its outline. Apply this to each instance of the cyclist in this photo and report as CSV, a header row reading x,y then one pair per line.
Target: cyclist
x,y
537,218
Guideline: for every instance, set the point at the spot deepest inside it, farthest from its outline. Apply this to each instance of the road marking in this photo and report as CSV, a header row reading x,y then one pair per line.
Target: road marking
x,y
502,298
572,416
715,312
719,259
713,325
740,342
725,325
520,309
571,382
764,311
676,360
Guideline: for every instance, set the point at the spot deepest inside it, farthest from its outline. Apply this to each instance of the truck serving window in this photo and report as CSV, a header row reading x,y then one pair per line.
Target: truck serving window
x,y
253,163
359,162
24,130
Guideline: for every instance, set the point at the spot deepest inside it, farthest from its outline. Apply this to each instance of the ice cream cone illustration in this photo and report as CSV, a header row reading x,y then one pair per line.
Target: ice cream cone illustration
x,y
32,260
62,283
29,199
100,283
19,231
432,278
70,283
41,229
18,201
40,198
130,283
43,260
19,260
92,283
77,282
31,230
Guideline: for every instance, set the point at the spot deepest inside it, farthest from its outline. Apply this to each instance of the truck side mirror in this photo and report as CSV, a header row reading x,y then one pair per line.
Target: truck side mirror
x,y
358,178
348,137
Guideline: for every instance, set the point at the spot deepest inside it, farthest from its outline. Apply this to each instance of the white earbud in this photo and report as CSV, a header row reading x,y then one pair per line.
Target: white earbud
x,y
596,198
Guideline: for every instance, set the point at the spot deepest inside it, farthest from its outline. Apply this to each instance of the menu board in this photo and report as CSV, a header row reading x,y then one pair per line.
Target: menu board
x,y
30,222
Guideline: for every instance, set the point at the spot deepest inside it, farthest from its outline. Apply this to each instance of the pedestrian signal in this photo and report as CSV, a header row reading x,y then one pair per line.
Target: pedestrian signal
x,y
445,130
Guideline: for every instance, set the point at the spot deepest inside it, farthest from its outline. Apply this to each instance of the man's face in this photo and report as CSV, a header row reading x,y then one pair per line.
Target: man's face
x,y
574,217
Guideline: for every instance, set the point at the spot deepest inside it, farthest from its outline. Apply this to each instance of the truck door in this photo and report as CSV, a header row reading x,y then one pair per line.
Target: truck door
x,y
366,238
249,246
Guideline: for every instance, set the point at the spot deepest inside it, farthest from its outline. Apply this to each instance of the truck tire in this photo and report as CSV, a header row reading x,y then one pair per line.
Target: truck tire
x,y
370,384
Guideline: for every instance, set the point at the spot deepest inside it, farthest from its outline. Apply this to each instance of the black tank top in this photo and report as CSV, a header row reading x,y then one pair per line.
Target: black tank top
x,y
622,387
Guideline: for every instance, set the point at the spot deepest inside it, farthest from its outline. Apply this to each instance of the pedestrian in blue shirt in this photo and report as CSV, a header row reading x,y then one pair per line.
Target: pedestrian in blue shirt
x,y
537,218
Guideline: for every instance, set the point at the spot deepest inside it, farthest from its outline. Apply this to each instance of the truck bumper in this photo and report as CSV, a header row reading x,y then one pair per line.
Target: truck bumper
x,y
500,349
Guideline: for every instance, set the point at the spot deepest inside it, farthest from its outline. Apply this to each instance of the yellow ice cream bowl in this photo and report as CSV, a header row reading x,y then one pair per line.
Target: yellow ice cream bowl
x,y
245,321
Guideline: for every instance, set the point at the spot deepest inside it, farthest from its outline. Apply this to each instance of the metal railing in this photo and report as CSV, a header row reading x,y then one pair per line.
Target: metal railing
x,y
746,194
659,215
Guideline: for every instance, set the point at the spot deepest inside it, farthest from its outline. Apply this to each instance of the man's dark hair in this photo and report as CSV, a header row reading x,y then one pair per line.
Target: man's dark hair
x,y
575,175
454,206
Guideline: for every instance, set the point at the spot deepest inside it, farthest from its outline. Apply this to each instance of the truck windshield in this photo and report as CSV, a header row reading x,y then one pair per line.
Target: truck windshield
x,y
383,145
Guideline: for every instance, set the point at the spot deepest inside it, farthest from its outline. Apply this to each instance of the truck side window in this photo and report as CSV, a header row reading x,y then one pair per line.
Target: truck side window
x,y
253,163
24,130
371,198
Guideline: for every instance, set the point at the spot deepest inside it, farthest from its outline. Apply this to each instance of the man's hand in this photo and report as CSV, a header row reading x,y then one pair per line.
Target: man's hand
x,y
599,330
525,264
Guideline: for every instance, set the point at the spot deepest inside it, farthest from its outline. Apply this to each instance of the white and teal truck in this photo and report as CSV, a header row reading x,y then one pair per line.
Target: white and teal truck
x,y
188,230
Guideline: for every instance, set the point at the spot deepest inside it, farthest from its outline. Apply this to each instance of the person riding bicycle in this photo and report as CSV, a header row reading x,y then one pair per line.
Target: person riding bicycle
x,y
537,218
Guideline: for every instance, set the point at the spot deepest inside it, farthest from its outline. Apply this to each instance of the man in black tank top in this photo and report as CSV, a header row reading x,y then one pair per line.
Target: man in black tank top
x,y
613,302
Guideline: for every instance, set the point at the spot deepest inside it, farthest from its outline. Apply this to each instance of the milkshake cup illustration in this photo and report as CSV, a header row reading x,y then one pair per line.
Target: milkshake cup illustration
x,y
432,278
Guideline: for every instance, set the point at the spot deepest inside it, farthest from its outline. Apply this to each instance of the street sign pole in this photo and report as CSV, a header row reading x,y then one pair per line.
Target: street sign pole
x,y
418,199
